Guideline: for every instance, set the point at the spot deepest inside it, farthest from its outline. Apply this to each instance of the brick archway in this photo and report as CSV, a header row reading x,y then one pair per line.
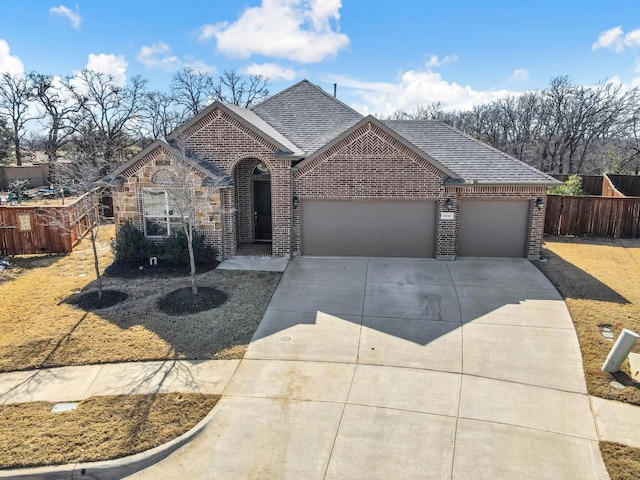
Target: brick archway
x,y
252,178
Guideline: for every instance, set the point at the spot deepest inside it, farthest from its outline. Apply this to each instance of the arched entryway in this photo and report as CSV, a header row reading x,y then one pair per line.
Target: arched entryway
x,y
253,199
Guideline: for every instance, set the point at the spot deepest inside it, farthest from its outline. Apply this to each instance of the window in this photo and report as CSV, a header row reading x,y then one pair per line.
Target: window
x,y
161,219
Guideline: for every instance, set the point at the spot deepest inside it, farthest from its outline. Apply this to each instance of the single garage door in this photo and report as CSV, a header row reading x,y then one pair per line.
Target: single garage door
x,y
493,228
376,228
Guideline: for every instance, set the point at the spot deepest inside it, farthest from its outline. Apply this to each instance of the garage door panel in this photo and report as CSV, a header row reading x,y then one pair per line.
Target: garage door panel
x,y
387,228
493,228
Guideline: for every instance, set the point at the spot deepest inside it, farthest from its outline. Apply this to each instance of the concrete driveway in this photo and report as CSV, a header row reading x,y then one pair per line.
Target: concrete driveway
x,y
403,369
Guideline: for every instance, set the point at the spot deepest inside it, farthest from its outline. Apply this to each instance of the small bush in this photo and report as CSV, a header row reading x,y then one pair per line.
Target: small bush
x,y
176,250
129,245
572,187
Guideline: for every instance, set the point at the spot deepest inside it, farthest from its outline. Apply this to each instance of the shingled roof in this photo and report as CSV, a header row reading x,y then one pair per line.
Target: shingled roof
x,y
307,115
472,160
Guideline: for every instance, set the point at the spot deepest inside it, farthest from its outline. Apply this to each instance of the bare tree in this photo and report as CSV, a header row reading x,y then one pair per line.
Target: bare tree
x,y
110,114
195,90
15,100
160,114
60,112
83,177
239,90
192,90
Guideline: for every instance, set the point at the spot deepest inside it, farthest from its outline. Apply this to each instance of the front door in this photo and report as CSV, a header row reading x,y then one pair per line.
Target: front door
x,y
262,210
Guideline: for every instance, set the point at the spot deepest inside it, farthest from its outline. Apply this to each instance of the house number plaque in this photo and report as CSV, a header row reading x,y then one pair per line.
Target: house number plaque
x,y
447,216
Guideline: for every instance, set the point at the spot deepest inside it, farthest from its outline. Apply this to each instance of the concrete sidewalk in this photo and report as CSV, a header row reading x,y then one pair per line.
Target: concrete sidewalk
x,y
77,383
405,369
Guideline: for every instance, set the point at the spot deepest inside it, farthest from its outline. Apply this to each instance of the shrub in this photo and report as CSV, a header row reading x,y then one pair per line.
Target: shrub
x,y
129,246
572,187
176,250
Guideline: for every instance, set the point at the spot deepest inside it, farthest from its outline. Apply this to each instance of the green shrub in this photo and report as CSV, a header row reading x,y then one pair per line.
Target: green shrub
x,y
176,250
129,245
572,187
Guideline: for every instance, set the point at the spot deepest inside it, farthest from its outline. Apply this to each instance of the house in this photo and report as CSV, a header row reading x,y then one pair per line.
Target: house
x,y
311,176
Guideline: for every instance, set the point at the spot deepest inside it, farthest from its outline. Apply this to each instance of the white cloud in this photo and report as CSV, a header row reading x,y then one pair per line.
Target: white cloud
x,y
114,65
520,75
304,31
434,60
199,66
615,39
415,87
9,63
271,70
72,15
158,55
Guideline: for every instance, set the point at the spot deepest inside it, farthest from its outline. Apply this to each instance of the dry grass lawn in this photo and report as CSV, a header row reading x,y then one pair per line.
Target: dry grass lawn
x,y
101,428
40,329
599,280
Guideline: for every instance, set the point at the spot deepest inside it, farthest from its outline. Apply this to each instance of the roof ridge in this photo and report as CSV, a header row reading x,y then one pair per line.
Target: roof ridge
x,y
281,92
311,84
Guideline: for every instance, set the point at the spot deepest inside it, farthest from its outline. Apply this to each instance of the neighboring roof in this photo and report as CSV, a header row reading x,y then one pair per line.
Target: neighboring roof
x,y
250,120
307,115
472,160
212,175
370,119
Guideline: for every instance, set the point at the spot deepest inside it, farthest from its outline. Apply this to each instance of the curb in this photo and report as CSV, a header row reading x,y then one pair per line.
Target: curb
x,y
110,469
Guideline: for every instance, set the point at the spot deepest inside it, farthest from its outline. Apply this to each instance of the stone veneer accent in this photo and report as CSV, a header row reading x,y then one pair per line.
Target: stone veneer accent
x,y
367,164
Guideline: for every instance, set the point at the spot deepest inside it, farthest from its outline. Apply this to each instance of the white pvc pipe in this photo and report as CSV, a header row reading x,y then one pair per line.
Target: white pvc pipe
x,y
620,351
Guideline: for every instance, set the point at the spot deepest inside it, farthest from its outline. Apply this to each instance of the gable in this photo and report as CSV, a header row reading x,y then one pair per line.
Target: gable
x,y
368,163
368,143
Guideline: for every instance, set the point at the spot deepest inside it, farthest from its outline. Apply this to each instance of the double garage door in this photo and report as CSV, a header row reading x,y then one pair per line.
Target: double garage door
x,y
407,228
373,228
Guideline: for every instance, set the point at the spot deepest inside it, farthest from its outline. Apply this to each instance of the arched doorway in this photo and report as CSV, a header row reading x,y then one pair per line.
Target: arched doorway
x,y
261,186
253,199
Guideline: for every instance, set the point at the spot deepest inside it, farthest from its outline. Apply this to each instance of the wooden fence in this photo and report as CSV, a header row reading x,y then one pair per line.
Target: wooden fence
x,y
593,216
55,229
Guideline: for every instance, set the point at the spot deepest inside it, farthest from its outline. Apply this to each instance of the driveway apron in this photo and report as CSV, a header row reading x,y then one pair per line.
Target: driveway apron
x,y
377,368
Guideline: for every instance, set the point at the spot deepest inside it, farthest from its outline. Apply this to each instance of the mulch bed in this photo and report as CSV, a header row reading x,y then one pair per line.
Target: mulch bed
x,y
89,301
183,302
162,270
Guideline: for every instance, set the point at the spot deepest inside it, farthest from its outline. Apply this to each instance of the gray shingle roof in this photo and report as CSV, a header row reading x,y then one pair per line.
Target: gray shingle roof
x,y
472,160
260,125
307,115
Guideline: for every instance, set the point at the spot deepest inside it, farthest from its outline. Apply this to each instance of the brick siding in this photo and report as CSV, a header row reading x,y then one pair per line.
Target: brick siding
x,y
367,164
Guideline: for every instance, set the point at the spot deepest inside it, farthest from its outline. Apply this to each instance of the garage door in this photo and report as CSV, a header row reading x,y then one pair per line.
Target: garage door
x,y
380,228
493,228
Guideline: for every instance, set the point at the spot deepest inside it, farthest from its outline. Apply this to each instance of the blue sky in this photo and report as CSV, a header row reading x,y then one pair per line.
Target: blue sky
x,y
384,55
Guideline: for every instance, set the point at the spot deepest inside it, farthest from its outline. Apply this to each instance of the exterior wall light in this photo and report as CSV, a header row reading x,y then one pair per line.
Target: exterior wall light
x,y
448,203
296,201
539,202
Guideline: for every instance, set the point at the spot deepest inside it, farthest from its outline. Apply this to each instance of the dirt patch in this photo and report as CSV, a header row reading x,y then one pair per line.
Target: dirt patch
x,y
623,463
91,301
101,428
183,302
599,280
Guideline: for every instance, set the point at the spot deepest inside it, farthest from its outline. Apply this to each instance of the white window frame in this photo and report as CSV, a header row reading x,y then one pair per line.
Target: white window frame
x,y
168,217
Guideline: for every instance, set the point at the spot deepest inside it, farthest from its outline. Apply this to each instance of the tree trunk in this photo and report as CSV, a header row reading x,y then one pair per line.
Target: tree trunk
x,y
96,262
16,146
192,261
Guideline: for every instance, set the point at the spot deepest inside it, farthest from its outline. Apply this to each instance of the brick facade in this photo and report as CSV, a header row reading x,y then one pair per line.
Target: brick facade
x,y
368,163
